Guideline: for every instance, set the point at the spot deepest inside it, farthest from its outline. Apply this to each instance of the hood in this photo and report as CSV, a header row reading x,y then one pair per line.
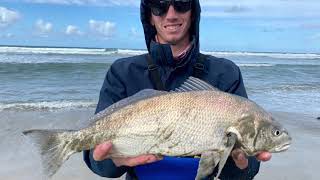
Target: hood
x,y
150,31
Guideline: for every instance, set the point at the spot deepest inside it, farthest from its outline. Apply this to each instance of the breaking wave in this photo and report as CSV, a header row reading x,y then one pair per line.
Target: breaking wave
x,y
70,51
47,106
255,65
271,55
132,52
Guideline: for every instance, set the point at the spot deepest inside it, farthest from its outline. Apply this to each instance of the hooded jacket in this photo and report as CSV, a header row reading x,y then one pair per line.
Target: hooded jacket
x,y
127,76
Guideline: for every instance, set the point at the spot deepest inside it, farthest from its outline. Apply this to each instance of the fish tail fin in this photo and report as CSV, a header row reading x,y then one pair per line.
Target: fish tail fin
x,y
54,146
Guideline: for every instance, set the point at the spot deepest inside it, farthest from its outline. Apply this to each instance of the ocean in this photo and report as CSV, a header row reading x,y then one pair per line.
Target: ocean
x,y
58,88
44,78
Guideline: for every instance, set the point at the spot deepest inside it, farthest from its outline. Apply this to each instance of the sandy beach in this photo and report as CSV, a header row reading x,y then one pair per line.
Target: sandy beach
x,y
20,161
301,160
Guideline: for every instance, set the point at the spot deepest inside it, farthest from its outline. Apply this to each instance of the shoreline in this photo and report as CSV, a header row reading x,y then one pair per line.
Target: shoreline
x,y
22,162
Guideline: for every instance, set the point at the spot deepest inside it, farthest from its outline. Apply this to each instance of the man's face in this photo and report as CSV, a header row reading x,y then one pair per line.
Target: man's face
x,y
172,27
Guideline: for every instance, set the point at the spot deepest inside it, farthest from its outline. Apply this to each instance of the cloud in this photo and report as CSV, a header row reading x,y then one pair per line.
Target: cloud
x,y
236,9
135,33
316,36
273,25
102,28
43,28
8,35
8,17
310,25
73,30
261,9
88,2
220,8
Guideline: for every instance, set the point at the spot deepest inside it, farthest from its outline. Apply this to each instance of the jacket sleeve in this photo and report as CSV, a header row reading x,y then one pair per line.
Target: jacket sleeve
x,y
230,170
112,91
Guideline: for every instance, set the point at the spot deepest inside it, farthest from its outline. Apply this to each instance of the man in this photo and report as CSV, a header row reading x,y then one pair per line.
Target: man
x,y
172,37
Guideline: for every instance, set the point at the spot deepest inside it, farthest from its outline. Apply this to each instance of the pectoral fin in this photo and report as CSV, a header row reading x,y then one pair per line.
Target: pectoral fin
x,y
208,162
210,159
232,138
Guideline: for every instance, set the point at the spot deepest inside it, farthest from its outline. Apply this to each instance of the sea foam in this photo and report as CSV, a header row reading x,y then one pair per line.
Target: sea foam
x,y
47,105
132,52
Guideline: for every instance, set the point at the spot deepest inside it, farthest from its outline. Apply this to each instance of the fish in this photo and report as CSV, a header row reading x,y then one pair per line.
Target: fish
x,y
195,119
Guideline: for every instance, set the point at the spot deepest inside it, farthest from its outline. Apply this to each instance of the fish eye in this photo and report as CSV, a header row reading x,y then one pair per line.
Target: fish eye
x,y
276,132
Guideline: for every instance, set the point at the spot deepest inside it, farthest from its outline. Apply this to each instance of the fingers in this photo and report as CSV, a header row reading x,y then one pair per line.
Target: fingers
x,y
239,158
264,156
139,160
101,151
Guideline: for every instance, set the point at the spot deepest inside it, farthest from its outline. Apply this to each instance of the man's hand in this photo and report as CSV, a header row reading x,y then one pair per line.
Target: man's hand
x,y
241,160
102,151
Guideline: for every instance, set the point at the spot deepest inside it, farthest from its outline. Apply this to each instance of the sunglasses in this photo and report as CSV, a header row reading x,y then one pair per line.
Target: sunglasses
x,y
160,7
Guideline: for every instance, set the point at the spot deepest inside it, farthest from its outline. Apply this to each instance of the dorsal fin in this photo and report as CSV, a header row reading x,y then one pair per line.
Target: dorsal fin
x,y
194,84
139,96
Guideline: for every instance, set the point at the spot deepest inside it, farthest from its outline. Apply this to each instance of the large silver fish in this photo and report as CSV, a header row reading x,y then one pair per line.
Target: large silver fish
x,y
194,119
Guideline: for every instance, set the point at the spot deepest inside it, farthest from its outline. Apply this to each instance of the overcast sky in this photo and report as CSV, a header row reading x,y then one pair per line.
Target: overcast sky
x,y
226,25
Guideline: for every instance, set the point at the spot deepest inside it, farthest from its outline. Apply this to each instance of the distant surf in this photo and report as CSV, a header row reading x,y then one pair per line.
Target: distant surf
x,y
131,52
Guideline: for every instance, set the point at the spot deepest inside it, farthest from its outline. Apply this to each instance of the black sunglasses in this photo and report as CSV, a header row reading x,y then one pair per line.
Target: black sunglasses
x,y
160,7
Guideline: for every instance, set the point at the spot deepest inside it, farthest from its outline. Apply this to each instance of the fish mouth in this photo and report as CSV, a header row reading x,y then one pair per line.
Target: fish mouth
x,y
284,147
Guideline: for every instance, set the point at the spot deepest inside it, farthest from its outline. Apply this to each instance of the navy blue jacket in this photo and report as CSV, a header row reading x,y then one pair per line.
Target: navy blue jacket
x,y
127,76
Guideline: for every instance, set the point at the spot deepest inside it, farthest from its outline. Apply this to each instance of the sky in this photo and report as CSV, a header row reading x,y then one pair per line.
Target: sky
x,y
226,25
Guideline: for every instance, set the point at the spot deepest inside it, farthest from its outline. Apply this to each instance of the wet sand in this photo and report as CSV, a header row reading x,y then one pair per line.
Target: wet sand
x,y
19,160
301,161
